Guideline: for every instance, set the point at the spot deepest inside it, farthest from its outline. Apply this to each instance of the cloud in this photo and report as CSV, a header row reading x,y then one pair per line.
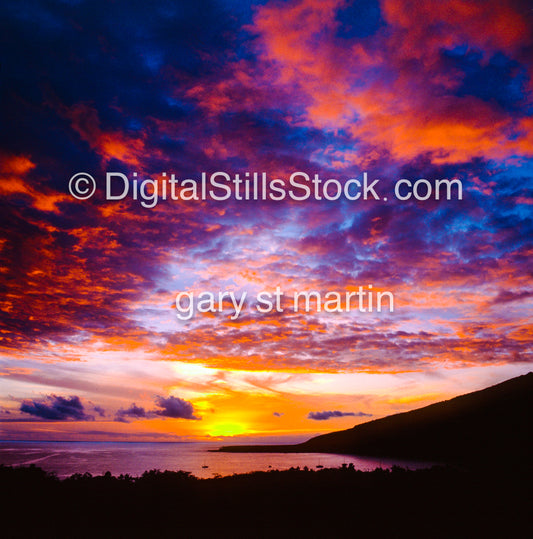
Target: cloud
x,y
322,416
312,89
134,411
99,410
277,414
510,296
56,408
175,407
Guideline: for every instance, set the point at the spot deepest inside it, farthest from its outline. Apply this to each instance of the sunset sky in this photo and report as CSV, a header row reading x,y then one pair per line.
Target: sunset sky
x,y
90,344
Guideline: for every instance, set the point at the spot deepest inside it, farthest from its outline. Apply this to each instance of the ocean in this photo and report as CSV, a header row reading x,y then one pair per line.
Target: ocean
x,y
133,458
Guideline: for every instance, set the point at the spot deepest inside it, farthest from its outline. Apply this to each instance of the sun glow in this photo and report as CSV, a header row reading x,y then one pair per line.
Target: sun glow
x,y
228,428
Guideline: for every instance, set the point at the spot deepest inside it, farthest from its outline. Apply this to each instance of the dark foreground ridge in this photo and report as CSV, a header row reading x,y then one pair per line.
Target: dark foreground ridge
x,y
440,502
494,423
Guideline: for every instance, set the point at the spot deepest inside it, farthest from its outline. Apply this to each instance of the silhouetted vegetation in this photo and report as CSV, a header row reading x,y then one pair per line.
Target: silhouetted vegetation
x,y
437,502
494,424
488,495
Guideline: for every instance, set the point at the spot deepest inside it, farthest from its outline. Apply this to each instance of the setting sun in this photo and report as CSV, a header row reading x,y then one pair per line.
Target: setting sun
x,y
228,428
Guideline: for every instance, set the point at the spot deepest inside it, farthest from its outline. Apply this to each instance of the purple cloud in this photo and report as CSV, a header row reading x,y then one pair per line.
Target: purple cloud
x,y
56,408
175,407
133,411
99,410
167,407
322,416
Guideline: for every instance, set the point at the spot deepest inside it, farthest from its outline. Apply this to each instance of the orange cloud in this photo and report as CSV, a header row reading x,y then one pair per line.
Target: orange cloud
x,y
14,170
490,25
109,144
390,91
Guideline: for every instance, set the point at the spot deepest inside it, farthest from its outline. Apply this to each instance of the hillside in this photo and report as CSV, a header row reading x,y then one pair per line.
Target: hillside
x,y
494,423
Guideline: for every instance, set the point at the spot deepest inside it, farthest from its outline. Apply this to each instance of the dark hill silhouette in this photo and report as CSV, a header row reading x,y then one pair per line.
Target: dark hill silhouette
x,y
491,424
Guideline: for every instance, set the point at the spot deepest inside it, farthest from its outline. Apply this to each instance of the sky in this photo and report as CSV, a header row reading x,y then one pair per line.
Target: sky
x,y
91,346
